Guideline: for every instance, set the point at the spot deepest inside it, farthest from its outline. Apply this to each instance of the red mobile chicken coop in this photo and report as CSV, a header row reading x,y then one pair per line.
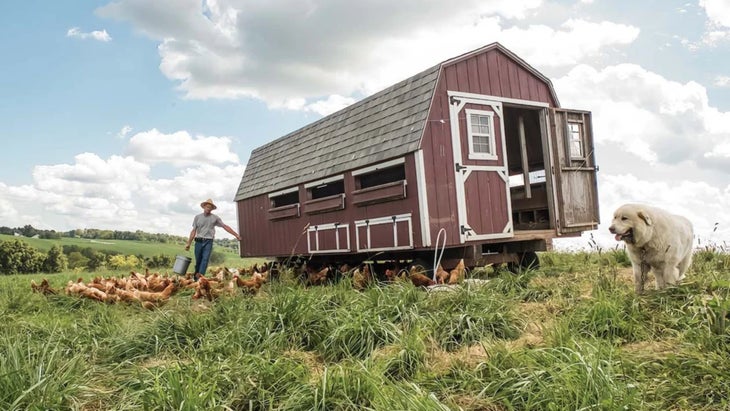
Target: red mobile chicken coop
x,y
475,153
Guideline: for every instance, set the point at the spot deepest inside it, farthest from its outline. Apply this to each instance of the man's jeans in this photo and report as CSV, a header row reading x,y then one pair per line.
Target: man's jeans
x,y
203,249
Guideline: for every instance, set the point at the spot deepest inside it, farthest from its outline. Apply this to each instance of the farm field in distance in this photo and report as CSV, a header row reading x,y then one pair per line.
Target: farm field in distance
x,y
126,247
571,335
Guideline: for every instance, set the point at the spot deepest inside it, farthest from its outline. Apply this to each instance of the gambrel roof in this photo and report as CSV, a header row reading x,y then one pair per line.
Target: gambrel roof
x,y
386,125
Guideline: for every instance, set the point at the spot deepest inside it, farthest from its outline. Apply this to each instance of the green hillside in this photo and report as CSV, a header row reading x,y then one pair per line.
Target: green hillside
x,y
126,247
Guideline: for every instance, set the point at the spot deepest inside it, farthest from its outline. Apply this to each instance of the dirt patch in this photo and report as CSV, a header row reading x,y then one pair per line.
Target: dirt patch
x,y
651,349
471,356
312,361
163,362
466,402
528,339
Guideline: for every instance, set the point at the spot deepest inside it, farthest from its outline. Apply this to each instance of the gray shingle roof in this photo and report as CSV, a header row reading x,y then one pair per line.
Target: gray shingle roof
x,y
385,125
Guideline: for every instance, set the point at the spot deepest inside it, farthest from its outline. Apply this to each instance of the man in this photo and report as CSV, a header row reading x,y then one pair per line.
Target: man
x,y
203,233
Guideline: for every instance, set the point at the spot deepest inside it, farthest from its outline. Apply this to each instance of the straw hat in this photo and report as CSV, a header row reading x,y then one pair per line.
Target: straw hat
x,y
208,201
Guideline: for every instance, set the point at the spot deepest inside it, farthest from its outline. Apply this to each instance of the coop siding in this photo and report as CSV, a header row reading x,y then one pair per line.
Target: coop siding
x,y
281,238
439,167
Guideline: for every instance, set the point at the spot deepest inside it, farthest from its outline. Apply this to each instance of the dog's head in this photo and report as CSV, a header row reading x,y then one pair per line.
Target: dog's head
x,y
630,223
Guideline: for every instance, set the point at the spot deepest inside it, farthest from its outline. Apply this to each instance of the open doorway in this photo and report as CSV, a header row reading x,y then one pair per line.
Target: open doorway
x,y
529,190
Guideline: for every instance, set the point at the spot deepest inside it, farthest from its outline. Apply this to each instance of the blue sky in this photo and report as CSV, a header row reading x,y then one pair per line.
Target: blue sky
x,y
127,114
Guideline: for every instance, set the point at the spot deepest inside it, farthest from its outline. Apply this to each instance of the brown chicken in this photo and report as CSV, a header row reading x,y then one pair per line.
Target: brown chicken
x,y
457,274
361,277
203,289
93,293
442,276
156,297
252,285
418,278
317,277
44,288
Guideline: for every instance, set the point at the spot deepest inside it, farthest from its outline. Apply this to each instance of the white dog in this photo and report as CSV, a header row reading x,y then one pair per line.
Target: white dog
x,y
656,240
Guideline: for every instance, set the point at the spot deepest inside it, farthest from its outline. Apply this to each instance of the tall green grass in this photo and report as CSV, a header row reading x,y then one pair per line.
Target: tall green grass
x,y
571,335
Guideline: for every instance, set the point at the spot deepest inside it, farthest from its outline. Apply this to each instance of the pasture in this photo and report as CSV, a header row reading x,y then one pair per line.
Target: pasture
x,y
572,335
125,247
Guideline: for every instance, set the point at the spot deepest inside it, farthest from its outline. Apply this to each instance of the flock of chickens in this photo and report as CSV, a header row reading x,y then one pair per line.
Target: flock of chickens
x,y
152,290
363,276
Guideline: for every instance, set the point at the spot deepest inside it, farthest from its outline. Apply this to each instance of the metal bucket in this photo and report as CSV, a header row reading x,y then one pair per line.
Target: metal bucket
x,y
181,264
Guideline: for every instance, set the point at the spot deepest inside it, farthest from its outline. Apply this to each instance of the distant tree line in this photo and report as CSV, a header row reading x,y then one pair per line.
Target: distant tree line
x,y
19,257
93,233
96,234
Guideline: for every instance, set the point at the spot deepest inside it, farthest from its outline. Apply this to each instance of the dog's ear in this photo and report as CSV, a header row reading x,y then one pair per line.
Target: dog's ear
x,y
644,216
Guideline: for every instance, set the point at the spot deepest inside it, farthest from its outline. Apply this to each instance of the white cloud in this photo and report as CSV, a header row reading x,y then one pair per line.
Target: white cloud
x,y
119,193
722,81
115,179
94,35
180,148
577,40
236,48
657,119
7,210
718,25
124,132
718,11
720,151
332,104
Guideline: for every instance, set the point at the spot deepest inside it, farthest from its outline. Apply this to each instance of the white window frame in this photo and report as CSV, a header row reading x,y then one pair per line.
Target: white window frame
x,y
491,155
579,140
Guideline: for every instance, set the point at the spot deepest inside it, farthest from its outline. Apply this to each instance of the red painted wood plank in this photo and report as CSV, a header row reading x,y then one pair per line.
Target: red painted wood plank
x,y
494,73
484,86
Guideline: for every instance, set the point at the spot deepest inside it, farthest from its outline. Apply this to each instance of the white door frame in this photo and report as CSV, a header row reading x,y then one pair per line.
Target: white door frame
x,y
457,102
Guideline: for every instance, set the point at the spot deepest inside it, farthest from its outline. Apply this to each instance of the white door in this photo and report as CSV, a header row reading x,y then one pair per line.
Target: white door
x,y
480,166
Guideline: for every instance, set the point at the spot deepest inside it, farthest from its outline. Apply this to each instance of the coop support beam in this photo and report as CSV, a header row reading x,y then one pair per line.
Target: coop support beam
x,y
523,154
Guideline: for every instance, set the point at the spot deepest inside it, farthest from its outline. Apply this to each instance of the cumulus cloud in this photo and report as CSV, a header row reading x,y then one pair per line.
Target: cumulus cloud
x,y
718,24
236,48
120,193
720,151
645,114
578,40
718,11
180,148
94,35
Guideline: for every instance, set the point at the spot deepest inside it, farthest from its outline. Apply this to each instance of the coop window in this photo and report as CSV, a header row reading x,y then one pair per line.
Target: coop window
x,y
480,132
325,188
381,176
575,140
284,198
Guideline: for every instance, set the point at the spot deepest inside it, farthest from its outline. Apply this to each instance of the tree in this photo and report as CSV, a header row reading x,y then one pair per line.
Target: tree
x,y
28,231
121,262
160,260
97,260
50,234
55,261
18,257
77,260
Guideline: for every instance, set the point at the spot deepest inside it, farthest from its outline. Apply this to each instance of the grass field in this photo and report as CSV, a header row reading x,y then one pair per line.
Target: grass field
x,y
126,247
570,336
